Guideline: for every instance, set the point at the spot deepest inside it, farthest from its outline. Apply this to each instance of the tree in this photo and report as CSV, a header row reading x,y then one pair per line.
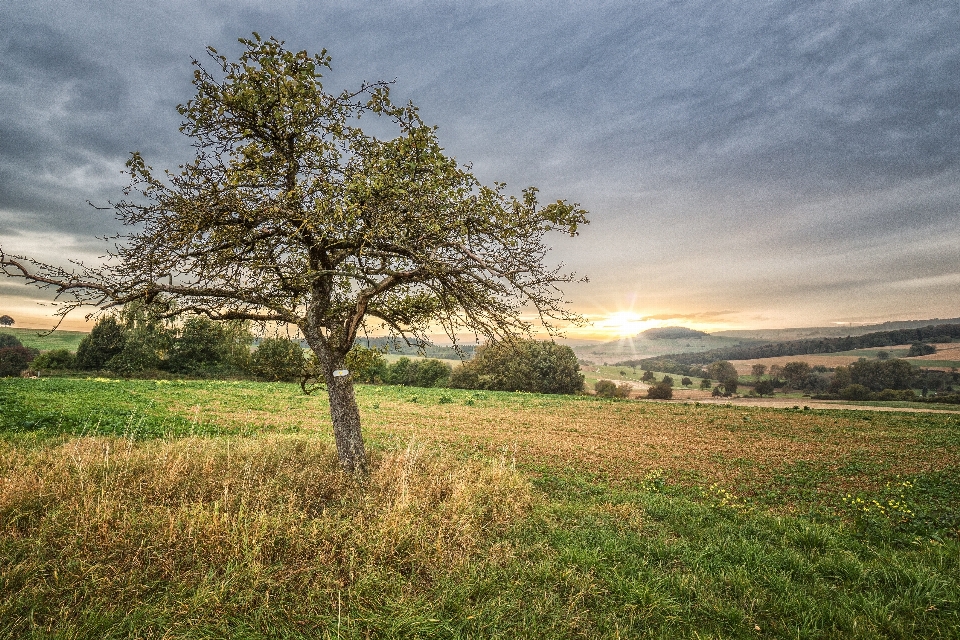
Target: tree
x,y
660,391
796,373
686,382
536,366
6,321
883,355
758,370
705,383
726,374
764,388
98,347
291,213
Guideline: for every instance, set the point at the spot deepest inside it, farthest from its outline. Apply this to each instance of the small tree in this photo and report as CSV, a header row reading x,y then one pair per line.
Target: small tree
x,y
105,341
6,321
9,340
292,213
13,360
660,391
686,382
764,388
883,355
705,384
758,370
648,376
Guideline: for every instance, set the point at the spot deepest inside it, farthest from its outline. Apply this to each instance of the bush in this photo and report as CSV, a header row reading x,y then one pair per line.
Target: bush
x,y
609,389
366,365
528,365
14,360
661,391
56,359
419,373
705,384
9,340
278,360
855,392
686,382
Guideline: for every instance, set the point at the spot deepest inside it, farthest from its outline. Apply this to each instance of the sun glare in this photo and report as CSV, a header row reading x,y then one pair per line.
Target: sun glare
x,y
622,324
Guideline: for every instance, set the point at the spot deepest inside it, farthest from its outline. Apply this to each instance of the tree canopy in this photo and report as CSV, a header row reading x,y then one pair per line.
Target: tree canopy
x,y
290,212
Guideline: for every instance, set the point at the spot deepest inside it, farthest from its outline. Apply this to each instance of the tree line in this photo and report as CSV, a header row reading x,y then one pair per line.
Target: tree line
x,y
931,333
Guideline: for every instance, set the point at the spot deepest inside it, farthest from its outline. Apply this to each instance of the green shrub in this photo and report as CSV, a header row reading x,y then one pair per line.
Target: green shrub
x,y
278,360
56,359
528,365
9,340
14,360
855,392
609,389
366,365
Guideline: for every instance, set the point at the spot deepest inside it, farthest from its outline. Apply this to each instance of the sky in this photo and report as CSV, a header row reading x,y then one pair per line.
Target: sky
x,y
749,164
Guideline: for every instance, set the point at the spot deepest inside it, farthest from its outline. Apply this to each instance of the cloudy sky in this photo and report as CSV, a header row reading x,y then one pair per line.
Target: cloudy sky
x,y
745,164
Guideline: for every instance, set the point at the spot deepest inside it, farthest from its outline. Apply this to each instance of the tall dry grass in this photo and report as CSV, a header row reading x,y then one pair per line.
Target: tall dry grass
x,y
205,529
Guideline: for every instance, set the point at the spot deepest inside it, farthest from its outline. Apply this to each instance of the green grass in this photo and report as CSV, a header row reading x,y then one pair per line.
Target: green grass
x,y
210,509
37,339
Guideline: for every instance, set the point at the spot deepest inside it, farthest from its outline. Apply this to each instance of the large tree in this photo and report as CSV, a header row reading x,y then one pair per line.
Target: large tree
x,y
291,213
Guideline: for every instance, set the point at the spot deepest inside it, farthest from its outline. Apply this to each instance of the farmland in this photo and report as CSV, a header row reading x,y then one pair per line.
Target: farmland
x,y
215,509
38,339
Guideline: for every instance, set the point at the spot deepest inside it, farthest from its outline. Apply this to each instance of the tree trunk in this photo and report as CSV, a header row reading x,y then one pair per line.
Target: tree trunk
x,y
346,423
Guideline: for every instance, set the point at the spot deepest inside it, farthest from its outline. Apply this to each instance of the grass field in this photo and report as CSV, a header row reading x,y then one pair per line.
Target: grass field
x,y
212,509
37,339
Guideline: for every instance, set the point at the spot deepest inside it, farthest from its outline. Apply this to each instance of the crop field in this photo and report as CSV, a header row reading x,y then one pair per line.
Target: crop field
x,y
215,509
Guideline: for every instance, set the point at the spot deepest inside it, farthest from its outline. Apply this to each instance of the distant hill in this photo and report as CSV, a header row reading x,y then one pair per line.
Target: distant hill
x,y
643,346
930,333
838,331
672,333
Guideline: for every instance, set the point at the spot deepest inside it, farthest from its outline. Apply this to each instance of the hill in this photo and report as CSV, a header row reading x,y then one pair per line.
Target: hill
x,y
839,331
931,333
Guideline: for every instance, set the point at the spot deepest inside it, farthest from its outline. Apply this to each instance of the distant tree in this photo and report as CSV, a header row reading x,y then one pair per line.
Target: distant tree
x,y
921,349
883,355
99,346
855,392
841,378
419,373
726,374
6,321
716,393
278,360
758,370
764,388
795,373
660,391
686,381
705,383
648,376
877,375
14,360
667,380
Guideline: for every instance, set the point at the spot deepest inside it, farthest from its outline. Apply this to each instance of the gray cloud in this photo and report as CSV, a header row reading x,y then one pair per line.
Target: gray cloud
x,y
790,144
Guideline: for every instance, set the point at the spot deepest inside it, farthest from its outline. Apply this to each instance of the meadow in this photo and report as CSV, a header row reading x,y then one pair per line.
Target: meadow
x,y
215,509
39,339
